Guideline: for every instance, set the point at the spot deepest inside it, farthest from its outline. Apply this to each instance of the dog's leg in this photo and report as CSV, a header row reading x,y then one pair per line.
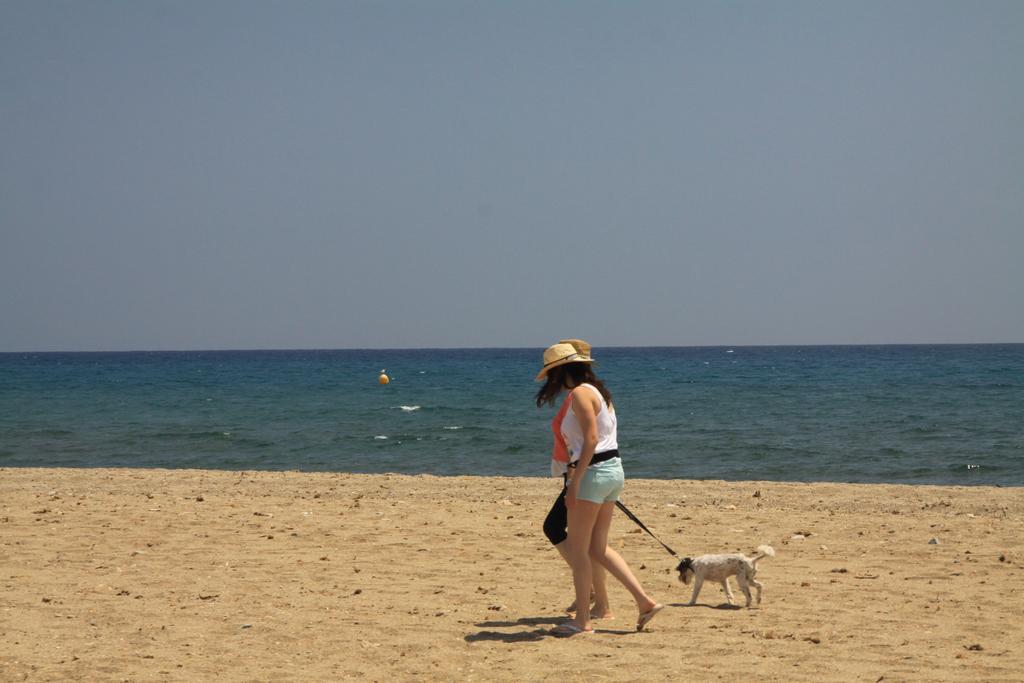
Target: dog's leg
x,y
725,587
758,586
741,579
698,581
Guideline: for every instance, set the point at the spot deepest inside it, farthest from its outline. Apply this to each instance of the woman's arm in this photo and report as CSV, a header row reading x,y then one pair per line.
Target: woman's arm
x,y
586,414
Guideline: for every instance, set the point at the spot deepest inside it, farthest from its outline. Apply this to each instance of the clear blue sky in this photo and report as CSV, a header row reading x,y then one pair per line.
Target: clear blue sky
x,y
195,175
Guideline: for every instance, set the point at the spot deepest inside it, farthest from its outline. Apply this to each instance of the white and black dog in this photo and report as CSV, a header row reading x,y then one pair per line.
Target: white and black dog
x,y
720,568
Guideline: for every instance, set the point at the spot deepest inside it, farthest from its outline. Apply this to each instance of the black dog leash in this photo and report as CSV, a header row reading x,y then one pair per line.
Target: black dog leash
x,y
643,526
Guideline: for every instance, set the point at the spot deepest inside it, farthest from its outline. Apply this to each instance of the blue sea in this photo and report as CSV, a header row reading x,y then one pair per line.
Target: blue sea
x,y
947,414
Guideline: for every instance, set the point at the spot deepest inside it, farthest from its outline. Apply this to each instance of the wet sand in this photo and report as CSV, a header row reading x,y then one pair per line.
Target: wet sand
x,y
202,575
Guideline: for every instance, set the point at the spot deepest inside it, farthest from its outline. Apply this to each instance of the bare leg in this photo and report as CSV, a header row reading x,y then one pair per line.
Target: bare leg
x,y
563,550
582,517
612,561
602,608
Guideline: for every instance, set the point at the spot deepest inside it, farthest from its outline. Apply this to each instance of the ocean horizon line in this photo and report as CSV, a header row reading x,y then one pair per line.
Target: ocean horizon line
x,y
316,349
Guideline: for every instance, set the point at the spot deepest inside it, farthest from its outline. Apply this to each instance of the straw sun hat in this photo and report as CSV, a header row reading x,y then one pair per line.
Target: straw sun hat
x,y
565,351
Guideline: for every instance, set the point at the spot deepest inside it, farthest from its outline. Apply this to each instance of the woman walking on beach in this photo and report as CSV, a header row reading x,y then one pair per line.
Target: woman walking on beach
x,y
595,480
556,523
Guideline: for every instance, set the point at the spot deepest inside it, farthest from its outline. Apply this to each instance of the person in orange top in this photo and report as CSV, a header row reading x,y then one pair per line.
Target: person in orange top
x,y
595,481
557,522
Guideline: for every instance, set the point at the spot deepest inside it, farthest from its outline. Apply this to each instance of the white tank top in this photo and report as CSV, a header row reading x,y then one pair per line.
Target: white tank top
x,y
607,429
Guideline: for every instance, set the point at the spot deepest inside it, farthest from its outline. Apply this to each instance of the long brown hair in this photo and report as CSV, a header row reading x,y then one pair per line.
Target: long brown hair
x,y
559,378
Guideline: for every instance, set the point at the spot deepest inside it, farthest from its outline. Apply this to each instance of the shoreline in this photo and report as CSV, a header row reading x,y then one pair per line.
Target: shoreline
x,y
538,477
187,574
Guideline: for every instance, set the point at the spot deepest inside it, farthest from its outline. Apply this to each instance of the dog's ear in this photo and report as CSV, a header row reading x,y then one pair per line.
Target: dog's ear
x,y
685,569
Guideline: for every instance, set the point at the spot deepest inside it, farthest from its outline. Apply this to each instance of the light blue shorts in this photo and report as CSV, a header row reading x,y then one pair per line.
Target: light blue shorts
x,y
602,482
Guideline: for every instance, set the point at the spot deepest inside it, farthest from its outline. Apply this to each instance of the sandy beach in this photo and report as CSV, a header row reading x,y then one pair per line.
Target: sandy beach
x,y
202,575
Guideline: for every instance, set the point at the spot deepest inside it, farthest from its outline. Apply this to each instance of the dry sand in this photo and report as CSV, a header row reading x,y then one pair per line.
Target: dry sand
x,y
197,575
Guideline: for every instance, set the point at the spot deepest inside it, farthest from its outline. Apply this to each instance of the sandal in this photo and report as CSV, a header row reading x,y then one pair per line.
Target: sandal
x,y
568,629
645,617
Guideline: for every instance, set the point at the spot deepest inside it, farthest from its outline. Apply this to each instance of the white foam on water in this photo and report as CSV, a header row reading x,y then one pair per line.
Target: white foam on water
x,y
380,437
453,427
409,409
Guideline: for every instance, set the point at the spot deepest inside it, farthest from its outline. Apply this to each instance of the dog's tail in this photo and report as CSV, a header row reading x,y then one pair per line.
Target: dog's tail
x,y
762,552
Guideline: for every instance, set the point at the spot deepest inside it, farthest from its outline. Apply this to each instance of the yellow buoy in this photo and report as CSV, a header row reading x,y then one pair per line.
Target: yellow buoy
x,y
383,379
